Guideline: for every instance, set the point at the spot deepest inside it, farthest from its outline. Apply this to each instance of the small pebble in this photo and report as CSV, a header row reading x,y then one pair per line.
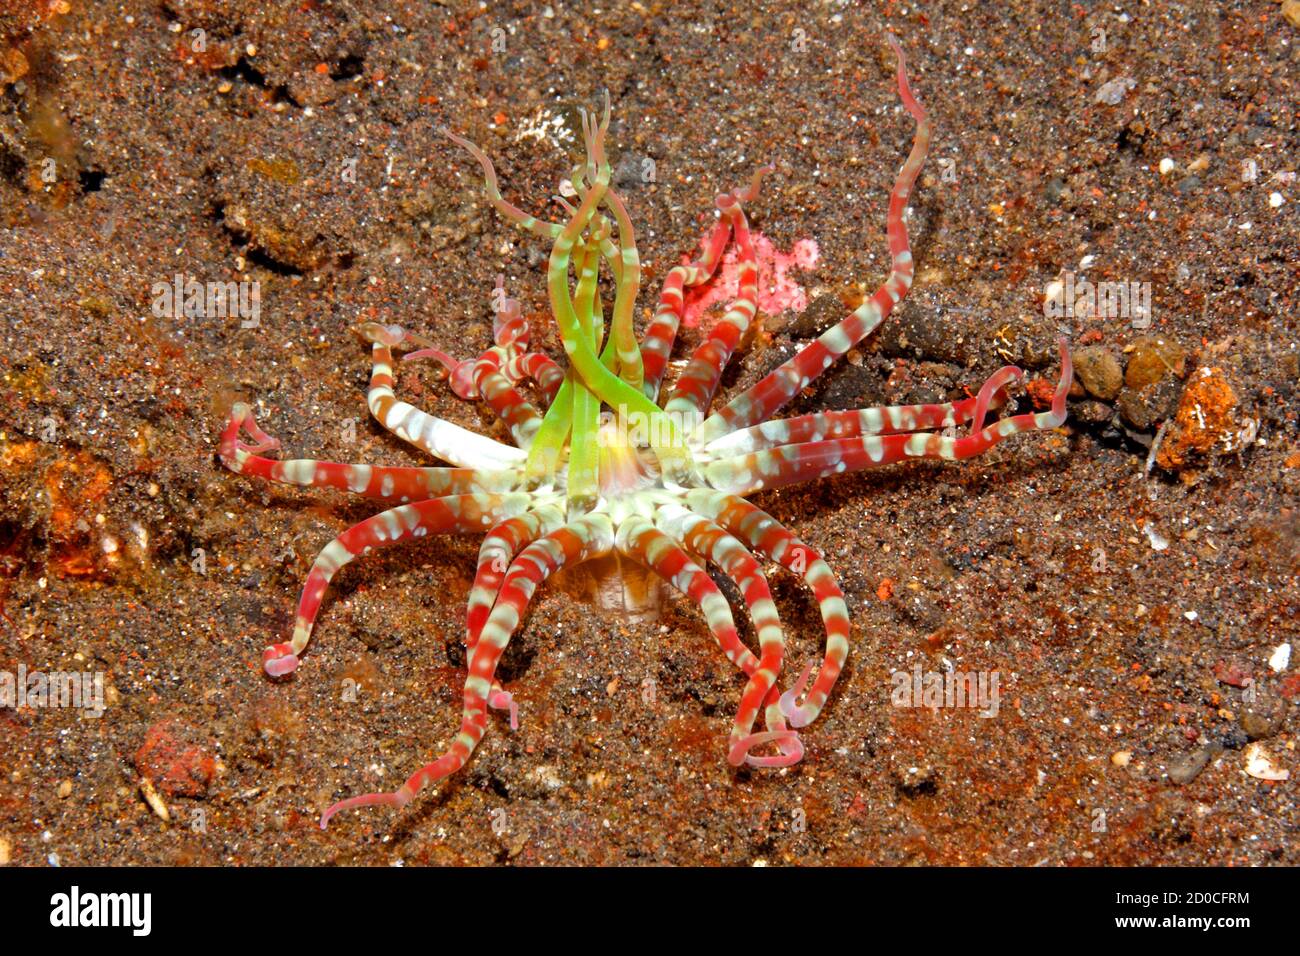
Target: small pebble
x,y
1113,92
1093,412
1263,718
1144,408
1185,768
1152,359
65,789
1099,371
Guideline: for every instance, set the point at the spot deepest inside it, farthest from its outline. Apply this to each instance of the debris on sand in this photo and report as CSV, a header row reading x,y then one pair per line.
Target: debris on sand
x,y
1260,765
174,760
1204,426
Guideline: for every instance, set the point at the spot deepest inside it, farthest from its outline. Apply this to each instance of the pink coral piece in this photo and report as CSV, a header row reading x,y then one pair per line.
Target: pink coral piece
x,y
777,288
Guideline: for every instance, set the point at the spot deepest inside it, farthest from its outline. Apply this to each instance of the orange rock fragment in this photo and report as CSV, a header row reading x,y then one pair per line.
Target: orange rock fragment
x,y
1041,392
13,66
173,759
1204,422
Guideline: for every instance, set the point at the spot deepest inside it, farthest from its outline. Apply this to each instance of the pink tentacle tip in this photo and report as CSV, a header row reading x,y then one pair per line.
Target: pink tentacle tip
x,y
242,420
750,192
1067,375
279,660
375,333
799,716
996,385
1060,412
503,700
791,747
460,374
398,798
787,741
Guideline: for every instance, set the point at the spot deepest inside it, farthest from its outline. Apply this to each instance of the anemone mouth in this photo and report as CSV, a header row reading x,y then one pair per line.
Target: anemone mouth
x,y
626,464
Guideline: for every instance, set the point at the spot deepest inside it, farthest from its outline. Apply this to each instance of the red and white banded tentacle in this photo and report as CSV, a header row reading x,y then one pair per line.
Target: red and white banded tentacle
x,y
713,543
586,537
439,438
455,514
693,392
764,535
795,463
774,391
640,540
657,343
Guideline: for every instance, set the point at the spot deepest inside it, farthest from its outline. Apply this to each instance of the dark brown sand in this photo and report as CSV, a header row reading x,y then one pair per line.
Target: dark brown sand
x,y
1130,619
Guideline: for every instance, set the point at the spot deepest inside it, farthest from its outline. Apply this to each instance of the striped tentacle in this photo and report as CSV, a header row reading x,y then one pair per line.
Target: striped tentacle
x,y
775,390
509,333
764,535
538,227
485,378
498,550
640,540
466,378
691,396
519,414
540,368
439,438
460,373
455,514
585,538
657,343
709,540
388,483
791,464
886,420
509,327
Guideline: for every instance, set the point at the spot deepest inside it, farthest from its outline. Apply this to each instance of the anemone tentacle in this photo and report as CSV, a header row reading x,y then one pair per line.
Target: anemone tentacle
x,y
439,438
778,388
585,538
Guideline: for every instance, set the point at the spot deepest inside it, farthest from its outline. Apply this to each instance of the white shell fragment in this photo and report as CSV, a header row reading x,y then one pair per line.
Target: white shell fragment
x,y
1158,541
1280,659
1259,764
